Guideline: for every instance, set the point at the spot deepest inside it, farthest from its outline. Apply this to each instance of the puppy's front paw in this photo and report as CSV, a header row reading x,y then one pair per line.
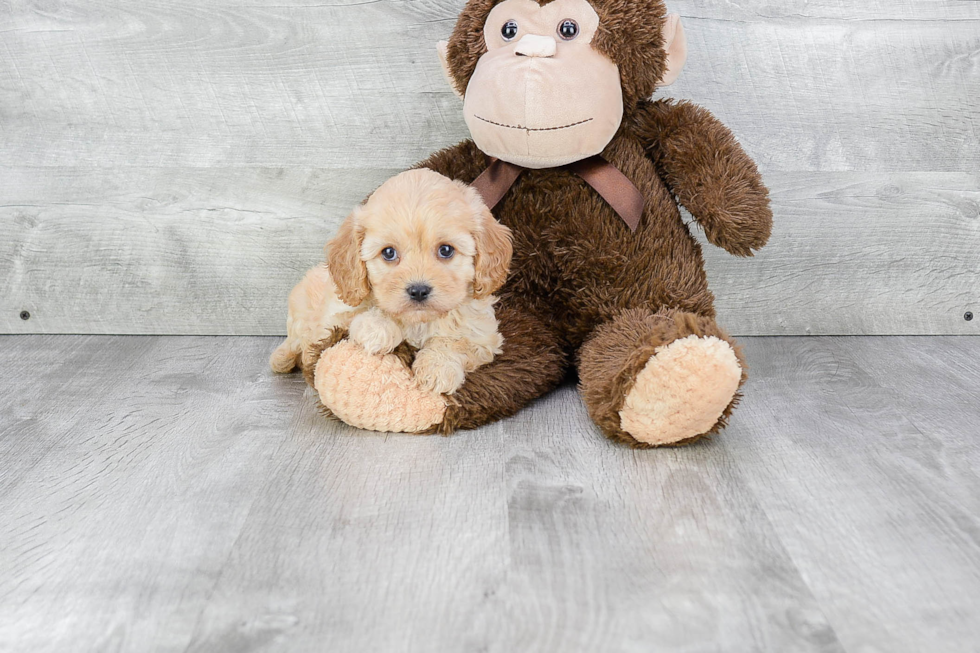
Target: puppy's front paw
x,y
438,373
374,332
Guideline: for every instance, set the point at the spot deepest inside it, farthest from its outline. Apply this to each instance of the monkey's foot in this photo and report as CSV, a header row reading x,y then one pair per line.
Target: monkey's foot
x,y
682,392
376,393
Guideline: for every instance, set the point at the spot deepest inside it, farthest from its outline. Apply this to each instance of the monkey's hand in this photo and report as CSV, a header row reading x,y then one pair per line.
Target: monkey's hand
x,y
709,173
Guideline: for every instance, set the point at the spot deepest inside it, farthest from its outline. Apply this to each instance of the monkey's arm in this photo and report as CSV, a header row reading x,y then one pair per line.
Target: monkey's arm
x,y
709,173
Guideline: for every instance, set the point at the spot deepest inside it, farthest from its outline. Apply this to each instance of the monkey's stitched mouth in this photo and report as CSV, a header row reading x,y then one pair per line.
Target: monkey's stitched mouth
x,y
533,129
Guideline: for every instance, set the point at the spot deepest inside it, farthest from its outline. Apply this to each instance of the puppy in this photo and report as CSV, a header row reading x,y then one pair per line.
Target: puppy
x,y
417,263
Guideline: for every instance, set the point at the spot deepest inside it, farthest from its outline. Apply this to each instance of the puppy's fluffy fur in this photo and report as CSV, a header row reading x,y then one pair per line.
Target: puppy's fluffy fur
x,y
414,215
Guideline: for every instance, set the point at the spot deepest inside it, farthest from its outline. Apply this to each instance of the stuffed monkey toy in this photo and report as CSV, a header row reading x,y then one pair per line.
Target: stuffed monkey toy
x,y
572,155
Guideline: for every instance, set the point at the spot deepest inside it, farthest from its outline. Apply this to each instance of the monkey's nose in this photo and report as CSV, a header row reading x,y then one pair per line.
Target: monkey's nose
x,y
419,292
533,45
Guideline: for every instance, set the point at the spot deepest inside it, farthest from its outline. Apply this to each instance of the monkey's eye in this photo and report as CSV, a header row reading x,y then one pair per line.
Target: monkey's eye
x,y
389,254
509,30
446,251
568,29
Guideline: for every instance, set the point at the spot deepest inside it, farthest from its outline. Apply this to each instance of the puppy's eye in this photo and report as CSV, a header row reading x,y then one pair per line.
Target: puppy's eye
x,y
389,254
568,29
446,251
509,30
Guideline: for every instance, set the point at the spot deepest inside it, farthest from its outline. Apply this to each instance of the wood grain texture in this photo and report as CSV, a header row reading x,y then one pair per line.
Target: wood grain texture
x,y
824,85
51,368
172,167
216,251
829,85
168,250
863,454
142,472
171,494
532,535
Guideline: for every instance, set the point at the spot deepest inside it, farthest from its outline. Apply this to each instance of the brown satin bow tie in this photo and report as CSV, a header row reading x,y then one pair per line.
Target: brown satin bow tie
x,y
605,178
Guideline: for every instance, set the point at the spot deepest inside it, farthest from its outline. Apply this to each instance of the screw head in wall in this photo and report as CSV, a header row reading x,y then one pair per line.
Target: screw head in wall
x,y
25,315
968,317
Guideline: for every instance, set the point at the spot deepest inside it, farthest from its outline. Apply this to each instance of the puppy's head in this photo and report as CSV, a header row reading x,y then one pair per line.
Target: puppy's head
x,y
422,244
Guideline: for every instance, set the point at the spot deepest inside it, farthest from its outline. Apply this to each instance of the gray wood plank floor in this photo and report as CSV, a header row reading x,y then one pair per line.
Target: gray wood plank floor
x,y
170,494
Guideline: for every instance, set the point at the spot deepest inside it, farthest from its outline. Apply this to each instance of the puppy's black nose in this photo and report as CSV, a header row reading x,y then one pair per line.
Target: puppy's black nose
x,y
419,292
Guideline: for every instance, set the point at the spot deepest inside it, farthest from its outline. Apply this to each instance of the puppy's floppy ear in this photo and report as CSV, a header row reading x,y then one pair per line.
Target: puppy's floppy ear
x,y
493,253
344,261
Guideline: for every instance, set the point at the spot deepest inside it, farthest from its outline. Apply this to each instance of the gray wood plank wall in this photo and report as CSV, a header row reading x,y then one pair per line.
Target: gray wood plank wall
x,y
173,167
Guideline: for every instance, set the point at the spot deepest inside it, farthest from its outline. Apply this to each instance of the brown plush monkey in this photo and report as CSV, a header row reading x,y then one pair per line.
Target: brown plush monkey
x,y
587,173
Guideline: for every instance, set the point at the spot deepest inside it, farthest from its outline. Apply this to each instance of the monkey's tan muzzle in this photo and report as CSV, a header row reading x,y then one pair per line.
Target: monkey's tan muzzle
x,y
533,45
537,105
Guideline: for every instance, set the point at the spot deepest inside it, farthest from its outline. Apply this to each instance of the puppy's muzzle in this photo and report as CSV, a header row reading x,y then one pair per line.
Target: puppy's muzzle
x,y
419,292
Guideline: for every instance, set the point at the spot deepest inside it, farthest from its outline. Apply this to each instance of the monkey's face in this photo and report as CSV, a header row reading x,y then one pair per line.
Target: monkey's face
x,y
542,96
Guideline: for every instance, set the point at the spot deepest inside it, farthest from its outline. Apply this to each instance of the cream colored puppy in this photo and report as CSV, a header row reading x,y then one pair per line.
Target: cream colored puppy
x,y
417,263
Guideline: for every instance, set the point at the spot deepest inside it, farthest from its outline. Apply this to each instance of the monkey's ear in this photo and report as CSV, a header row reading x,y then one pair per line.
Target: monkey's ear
x,y
443,48
675,43
344,262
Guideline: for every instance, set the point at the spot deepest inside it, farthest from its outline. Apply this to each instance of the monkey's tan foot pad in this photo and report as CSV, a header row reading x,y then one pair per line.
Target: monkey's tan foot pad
x,y
682,391
376,393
